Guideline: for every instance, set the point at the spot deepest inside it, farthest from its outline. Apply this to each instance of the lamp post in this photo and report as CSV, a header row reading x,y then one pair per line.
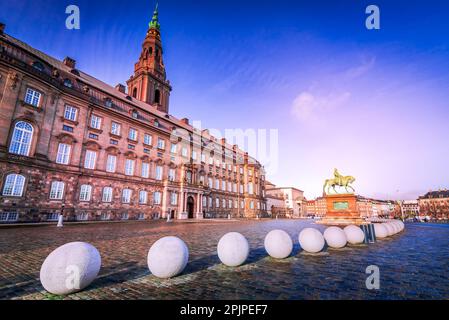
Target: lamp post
x,y
61,217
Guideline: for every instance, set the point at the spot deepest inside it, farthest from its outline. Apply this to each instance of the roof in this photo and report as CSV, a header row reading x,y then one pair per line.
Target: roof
x,y
436,194
112,91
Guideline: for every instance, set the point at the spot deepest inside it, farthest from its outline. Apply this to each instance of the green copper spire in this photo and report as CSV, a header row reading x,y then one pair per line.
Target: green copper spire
x,y
154,24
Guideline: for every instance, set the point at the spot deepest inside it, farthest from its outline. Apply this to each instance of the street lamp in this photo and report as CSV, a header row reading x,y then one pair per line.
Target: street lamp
x,y
61,217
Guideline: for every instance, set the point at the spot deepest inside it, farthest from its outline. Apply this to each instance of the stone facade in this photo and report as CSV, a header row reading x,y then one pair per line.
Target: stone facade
x,y
71,143
293,199
434,205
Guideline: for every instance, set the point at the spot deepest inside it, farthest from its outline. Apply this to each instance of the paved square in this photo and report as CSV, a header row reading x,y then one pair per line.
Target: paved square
x,y
413,264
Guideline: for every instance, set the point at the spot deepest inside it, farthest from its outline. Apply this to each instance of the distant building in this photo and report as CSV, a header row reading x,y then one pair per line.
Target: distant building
x,y
434,205
293,198
410,208
316,208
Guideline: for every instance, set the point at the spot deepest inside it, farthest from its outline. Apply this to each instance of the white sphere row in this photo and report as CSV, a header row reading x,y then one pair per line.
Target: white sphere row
x,y
73,266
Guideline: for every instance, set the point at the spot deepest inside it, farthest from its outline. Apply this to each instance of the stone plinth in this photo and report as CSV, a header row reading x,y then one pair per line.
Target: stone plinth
x,y
342,210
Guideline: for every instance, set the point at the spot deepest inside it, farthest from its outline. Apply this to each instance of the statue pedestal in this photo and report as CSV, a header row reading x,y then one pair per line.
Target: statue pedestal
x,y
342,210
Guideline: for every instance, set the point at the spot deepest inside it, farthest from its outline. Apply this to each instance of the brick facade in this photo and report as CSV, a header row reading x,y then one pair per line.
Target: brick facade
x,y
76,111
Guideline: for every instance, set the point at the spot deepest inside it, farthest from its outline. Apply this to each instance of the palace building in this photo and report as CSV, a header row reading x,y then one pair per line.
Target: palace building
x,y
72,143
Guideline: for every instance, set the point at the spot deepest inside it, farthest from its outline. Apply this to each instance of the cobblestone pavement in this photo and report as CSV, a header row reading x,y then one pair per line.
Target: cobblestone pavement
x,y
413,264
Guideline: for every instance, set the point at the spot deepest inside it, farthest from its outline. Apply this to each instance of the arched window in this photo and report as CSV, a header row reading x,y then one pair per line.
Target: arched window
x,y
14,184
135,92
21,139
157,96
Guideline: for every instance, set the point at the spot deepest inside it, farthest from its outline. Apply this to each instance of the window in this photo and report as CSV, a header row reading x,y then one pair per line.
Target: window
x,y
173,149
9,216
250,188
241,188
70,113
217,163
217,203
217,184
250,173
157,198
224,203
230,204
141,216
93,136
111,163
148,139
173,198
57,190
126,195
67,128
135,114
143,197
32,97
132,135
161,144
159,171
157,96
184,152
242,204
85,192
172,175
189,177
211,161
203,158
129,167
105,216
258,205
251,204
95,122
107,194
236,204
14,184
125,216
145,170
223,185
234,187
89,161
210,202
21,139
211,183
68,83
241,170
52,216
38,66
193,155
229,186
63,154
115,128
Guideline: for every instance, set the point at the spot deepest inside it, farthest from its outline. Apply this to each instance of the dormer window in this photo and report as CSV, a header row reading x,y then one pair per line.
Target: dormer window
x,y
68,83
135,114
38,66
108,103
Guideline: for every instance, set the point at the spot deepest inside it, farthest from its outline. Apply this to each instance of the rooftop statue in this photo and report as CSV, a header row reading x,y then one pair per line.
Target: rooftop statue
x,y
340,181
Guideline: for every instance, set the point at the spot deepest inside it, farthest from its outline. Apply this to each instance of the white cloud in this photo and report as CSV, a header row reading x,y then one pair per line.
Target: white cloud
x,y
308,106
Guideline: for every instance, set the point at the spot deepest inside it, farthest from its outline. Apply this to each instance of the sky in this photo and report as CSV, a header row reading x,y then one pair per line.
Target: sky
x,y
372,103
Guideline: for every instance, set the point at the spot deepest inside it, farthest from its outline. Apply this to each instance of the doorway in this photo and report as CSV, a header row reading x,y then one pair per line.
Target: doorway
x,y
190,206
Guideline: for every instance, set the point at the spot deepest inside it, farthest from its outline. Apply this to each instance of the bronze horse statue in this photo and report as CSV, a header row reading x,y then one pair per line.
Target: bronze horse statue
x,y
339,180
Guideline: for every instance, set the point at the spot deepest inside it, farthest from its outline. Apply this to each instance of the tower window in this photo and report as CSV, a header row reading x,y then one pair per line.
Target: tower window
x,y
135,92
157,96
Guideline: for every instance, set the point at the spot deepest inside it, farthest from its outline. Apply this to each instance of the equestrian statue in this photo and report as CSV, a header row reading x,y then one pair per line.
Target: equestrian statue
x,y
340,181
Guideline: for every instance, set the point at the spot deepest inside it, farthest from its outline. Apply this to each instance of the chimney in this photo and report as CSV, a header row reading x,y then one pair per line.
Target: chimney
x,y
121,88
185,121
2,28
69,62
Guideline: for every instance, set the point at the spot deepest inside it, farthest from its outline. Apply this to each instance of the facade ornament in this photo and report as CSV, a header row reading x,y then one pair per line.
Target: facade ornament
x,y
14,77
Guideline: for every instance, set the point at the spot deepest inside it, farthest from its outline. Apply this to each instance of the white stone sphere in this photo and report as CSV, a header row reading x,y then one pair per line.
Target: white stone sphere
x,y
311,240
354,234
380,230
233,249
396,227
389,228
70,268
168,257
278,244
335,237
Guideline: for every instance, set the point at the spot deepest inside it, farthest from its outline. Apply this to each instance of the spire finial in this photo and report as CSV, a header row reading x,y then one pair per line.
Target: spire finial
x,y
154,24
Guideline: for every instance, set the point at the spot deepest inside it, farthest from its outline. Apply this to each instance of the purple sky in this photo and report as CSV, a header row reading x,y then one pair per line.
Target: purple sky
x,y
372,103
